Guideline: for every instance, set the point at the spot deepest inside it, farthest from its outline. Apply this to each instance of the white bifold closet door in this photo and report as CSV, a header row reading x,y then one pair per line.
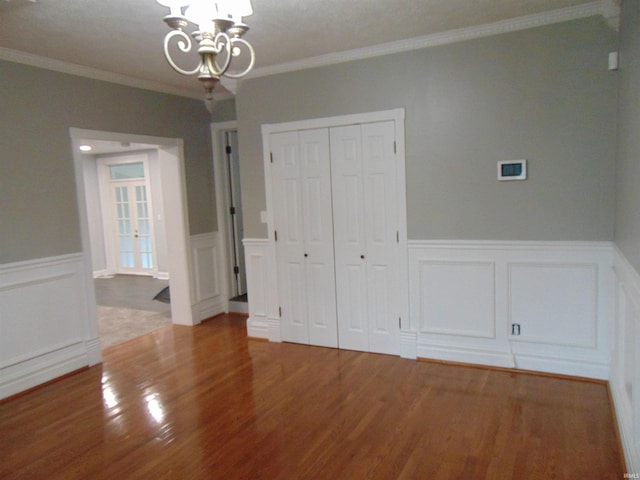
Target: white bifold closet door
x,y
365,215
301,182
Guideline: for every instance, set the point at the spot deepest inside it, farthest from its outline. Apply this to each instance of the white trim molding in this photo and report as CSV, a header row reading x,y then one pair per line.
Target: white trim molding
x,y
173,184
443,38
264,319
397,116
609,9
542,306
208,299
47,328
221,179
624,380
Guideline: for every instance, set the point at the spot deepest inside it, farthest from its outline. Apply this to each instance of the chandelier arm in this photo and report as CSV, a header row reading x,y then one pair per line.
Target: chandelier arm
x,y
222,41
184,46
252,53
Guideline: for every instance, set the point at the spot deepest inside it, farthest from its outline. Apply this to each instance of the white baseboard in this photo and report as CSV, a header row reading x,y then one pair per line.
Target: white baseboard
x,y
238,307
103,273
207,308
38,369
408,345
564,366
162,275
466,354
256,328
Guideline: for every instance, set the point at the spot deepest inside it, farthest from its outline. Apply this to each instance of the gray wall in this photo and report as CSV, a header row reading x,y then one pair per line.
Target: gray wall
x,y
542,94
38,208
627,232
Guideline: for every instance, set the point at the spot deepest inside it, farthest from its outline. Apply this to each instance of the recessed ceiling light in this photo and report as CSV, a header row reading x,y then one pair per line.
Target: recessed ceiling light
x,y
85,148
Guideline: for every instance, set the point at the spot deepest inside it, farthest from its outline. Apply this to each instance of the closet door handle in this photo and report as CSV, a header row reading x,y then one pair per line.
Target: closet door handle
x,y
362,257
305,255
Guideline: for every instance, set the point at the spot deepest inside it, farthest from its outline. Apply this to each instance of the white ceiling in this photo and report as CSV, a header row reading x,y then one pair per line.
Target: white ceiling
x,y
121,40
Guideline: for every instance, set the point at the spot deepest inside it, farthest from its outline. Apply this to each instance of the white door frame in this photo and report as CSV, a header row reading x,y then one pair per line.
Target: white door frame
x,y
397,116
221,183
171,163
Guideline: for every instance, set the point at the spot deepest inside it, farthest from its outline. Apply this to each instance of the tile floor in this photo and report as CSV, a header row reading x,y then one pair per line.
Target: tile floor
x,y
126,308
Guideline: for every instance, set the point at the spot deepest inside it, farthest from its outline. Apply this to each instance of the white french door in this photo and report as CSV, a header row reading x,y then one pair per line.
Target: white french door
x,y
366,235
134,241
301,184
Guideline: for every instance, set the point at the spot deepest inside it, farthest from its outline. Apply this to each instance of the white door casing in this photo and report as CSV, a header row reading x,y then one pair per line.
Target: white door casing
x,y
235,225
395,331
304,244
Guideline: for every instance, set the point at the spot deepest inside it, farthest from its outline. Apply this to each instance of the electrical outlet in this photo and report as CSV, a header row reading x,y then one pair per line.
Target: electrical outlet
x,y
515,329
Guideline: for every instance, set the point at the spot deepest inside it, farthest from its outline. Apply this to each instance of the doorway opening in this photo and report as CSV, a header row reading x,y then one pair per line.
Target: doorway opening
x,y
229,211
167,219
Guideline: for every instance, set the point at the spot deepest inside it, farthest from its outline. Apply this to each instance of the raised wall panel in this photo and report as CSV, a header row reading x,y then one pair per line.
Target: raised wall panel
x,y
465,296
554,303
457,298
46,322
263,321
208,299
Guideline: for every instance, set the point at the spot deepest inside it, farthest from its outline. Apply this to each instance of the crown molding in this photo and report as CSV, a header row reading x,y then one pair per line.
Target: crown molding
x,y
47,63
452,36
611,13
608,9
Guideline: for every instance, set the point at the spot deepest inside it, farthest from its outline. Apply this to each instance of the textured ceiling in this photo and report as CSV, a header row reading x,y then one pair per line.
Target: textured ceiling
x,y
124,37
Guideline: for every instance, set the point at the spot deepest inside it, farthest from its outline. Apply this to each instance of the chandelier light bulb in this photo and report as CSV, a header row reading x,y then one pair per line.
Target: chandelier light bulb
x,y
175,6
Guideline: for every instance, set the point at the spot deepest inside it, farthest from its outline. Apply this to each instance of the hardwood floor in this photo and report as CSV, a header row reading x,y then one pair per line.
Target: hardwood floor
x,y
207,403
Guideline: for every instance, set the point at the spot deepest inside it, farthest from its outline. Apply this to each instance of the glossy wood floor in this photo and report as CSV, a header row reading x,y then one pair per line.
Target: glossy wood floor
x,y
206,403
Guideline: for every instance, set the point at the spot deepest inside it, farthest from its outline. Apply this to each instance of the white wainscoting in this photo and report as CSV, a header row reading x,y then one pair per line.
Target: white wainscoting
x,y
208,298
466,296
624,380
46,329
262,290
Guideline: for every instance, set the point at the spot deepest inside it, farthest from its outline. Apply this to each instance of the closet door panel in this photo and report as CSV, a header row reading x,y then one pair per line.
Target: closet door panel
x,y
318,237
349,237
381,226
288,219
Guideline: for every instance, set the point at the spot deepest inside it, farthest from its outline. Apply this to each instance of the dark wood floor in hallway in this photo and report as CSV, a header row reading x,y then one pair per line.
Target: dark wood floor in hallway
x,y
207,403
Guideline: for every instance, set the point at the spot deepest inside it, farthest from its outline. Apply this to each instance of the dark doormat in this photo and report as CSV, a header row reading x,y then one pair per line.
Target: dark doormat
x,y
163,296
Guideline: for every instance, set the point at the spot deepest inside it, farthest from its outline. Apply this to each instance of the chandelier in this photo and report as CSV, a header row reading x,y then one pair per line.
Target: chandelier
x,y
218,32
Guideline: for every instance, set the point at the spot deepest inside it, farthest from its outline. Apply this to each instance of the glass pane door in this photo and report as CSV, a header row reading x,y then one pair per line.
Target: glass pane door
x,y
133,223
143,227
